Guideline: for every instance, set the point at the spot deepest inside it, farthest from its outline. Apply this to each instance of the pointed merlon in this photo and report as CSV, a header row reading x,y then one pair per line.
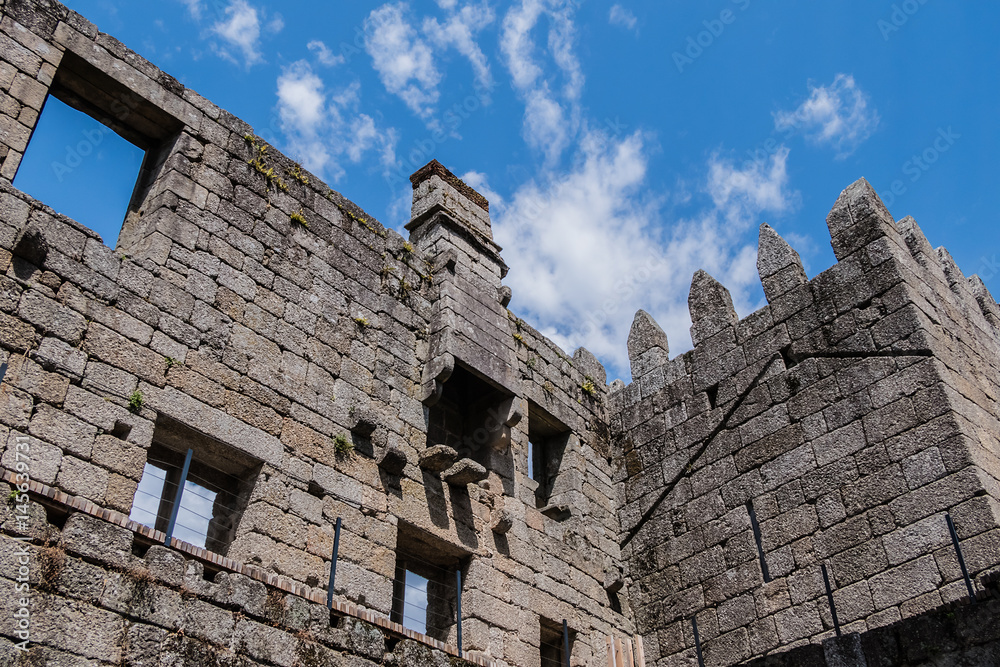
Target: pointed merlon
x,y
645,335
858,218
774,253
779,266
711,307
709,298
957,281
920,248
591,367
647,345
985,299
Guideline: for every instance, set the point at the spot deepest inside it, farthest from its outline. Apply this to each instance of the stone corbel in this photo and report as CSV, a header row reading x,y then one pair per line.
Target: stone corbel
x,y
505,416
504,295
446,260
436,373
363,422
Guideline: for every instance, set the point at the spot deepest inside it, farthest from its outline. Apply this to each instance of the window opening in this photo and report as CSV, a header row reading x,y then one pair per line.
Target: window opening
x,y
216,488
414,605
425,588
96,149
80,168
547,441
552,643
465,417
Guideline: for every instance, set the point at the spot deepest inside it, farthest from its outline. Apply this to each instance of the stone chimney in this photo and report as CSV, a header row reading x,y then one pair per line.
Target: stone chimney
x,y
449,215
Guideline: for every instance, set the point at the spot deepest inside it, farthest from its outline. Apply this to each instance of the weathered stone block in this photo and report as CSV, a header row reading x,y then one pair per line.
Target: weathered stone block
x,y
83,479
904,582
72,435
798,622
94,538
51,317
43,459
57,355
437,458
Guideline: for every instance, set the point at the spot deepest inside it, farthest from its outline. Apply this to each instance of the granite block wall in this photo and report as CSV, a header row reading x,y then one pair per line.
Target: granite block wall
x,y
835,427
304,364
312,360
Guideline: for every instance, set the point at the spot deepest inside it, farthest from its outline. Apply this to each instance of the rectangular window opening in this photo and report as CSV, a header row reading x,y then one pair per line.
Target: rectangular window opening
x,y
425,588
552,643
464,417
80,168
215,491
547,440
95,149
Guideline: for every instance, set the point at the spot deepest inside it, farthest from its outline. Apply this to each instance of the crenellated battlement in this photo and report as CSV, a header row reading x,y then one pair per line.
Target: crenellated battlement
x,y
834,427
265,409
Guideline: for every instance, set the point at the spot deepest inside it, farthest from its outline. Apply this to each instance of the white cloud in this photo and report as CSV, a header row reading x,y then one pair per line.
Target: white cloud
x,y
759,186
363,137
561,38
622,17
479,182
320,128
551,119
406,58
404,61
588,247
241,29
194,8
301,97
276,24
545,123
459,31
838,116
517,44
324,54
348,96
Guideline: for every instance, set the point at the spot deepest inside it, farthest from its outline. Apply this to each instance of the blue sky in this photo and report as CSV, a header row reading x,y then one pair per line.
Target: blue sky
x,y
622,145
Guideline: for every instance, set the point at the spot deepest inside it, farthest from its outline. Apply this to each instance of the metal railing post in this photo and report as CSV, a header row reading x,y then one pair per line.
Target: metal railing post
x,y
458,598
177,498
333,564
565,643
961,557
829,596
697,642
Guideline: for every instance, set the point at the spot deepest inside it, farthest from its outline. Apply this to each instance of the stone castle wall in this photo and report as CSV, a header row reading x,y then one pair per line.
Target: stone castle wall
x,y
319,367
836,426
312,360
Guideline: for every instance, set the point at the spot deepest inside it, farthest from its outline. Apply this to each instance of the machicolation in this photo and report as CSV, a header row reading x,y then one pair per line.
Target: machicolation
x,y
265,430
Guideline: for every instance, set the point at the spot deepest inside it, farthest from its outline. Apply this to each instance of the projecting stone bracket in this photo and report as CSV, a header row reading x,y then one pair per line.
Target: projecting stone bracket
x,y
436,373
557,512
507,415
613,579
458,472
363,423
504,295
503,521
466,471
393,461
437,458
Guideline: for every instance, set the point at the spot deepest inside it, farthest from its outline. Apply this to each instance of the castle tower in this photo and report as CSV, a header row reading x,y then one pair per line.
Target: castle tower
x,y
829,435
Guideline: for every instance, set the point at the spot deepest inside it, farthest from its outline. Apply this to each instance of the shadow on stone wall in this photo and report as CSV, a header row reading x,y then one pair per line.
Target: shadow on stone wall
x,y
955,634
